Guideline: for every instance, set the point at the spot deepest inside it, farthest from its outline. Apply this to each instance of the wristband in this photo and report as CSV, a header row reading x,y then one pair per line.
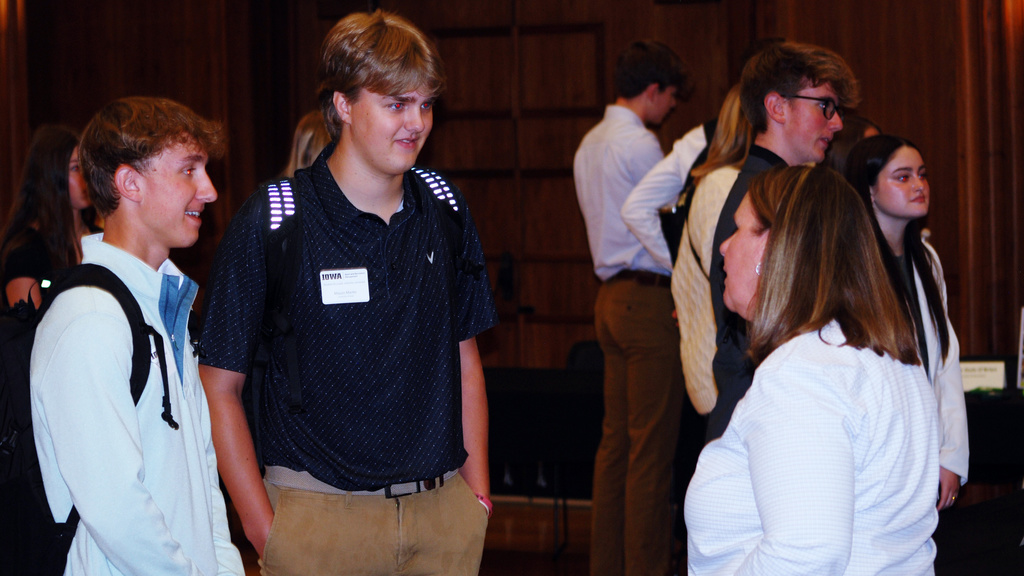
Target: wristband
x,y
486,502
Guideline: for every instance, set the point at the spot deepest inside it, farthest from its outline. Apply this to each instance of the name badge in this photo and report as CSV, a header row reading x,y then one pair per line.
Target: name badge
x,y
344,286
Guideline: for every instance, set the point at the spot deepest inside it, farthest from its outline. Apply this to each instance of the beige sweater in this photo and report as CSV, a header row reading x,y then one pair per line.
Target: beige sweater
x,y
692,292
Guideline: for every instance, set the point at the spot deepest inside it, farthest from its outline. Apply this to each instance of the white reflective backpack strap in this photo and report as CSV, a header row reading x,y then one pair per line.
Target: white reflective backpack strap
x,y
281,201
441,190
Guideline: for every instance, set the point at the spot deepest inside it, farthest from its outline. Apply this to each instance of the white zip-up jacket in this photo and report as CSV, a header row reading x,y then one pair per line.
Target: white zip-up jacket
x,y
945,377
148,495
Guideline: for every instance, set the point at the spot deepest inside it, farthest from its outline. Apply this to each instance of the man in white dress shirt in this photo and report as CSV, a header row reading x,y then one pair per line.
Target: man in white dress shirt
x,y
643,385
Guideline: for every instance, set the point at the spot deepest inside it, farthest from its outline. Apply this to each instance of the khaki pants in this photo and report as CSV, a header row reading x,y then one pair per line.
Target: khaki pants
x,y
439,532
643,394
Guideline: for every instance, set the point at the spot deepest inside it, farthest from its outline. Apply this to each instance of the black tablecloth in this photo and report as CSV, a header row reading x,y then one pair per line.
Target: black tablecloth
x,y
982,540
996,428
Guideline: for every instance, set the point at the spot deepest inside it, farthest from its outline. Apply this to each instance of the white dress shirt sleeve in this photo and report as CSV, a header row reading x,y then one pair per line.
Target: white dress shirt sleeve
x,y
659,187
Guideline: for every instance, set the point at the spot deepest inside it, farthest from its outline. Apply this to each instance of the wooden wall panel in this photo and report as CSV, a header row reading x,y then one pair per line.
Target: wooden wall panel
x,y
495,209
561,69
477,69
461,14
549,143
13,100
570,299
463,144
555,228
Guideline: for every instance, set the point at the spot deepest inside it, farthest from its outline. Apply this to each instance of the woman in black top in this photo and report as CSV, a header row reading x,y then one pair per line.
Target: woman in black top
x,y
46,222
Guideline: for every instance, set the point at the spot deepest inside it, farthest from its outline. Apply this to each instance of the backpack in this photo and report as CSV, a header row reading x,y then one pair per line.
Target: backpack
x,y
31,541
283,251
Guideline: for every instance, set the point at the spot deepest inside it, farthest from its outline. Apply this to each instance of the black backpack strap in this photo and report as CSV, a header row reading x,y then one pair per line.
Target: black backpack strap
x,y
101,277
455,223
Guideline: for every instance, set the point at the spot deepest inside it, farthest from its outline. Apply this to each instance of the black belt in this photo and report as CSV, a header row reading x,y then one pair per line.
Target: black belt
x,y
643,278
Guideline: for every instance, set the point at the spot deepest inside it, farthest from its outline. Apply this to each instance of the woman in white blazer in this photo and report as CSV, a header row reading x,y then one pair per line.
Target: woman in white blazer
x,y
890,175
829,463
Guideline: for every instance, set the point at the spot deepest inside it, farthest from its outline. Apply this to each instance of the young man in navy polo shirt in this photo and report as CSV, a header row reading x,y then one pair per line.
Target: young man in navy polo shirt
x,y
385,468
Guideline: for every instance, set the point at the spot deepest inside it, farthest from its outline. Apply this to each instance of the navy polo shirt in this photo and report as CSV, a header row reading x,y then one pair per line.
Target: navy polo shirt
x,y
381,379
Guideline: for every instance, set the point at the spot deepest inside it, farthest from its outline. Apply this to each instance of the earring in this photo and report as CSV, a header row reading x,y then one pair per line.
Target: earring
x,y
757,269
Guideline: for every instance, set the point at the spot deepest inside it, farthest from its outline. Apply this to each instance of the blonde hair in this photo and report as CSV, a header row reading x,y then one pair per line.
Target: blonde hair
x,y
381,52
310,138
822,263
731,142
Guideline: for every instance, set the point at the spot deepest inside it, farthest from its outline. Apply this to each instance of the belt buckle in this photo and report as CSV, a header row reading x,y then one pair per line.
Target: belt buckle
x,y
413,487
406,487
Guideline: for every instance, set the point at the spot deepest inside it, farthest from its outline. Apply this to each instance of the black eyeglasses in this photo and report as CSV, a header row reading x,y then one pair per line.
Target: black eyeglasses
x,y
828,106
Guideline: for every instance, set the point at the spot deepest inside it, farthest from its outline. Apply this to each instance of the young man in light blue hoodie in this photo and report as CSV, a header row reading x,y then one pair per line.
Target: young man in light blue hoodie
x,y
142,477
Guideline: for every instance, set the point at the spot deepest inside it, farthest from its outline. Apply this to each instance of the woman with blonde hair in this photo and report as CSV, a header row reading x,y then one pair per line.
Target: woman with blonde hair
x,y
829,462
690,288
310,138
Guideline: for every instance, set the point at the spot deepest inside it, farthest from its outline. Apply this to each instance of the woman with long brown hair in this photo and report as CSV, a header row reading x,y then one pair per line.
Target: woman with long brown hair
x,y
45,225
890,175
828,463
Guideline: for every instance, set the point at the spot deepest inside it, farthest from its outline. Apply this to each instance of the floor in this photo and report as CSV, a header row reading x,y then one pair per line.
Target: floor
x,y
520,540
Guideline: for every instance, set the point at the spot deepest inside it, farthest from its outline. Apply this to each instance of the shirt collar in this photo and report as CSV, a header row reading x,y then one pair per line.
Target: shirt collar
x,y
623,114
766,155
334,202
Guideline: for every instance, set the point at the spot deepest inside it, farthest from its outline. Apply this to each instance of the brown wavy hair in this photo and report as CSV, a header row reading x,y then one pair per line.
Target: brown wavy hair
x,y
787,68
822,263
132,131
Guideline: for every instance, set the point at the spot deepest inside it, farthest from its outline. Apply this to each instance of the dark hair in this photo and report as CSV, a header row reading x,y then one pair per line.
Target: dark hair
x,y
787,68
864,164
854,127
131,131
821,264
42,202
646,62
381,52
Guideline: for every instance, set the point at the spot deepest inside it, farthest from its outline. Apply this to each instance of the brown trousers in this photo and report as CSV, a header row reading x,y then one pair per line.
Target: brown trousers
x,y
643,394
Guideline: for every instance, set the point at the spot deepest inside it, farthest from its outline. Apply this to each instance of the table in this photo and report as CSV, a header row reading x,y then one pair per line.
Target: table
x,y
995,425
983,539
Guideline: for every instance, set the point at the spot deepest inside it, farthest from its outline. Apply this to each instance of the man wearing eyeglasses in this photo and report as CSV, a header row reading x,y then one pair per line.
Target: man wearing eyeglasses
x,y
794,96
